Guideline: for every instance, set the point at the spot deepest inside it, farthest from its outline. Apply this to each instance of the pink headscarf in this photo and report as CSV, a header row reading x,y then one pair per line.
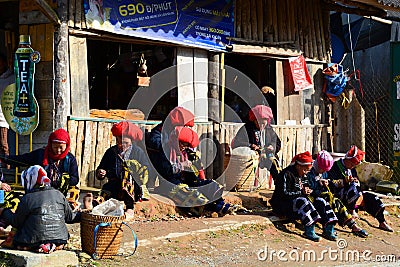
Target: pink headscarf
x,y
260,112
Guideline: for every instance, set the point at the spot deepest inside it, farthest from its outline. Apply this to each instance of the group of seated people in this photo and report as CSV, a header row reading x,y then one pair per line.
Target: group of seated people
x,y
325,191
39,223
319,190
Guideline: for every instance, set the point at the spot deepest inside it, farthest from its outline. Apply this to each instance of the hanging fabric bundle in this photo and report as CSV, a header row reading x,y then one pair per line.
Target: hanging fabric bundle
x,y
335,80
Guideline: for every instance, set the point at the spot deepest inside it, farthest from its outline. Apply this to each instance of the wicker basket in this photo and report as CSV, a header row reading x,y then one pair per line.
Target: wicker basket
x,y
241,172
108,238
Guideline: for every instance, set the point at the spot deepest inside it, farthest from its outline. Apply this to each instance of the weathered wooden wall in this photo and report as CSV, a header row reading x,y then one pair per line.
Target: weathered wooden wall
x,y
300,23
90,138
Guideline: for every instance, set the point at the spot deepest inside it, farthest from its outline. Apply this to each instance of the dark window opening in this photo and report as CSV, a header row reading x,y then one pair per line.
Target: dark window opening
x,y
263,73
113,69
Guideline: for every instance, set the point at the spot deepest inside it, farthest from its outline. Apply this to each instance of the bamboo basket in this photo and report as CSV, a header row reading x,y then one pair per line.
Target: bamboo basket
x,y
241,172
108,238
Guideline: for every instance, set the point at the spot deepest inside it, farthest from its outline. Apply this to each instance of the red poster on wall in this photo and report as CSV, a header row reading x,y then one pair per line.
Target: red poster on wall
x,y
301,77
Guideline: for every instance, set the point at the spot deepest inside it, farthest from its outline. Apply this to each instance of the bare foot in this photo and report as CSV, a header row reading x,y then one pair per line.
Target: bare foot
x,y
87,201
130,214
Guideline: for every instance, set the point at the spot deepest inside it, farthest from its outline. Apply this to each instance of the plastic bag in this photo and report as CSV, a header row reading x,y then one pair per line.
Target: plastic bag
x,y
111,207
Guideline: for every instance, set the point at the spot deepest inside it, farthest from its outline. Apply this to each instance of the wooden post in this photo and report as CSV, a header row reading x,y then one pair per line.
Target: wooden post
x,y
214,110
213,86
61,68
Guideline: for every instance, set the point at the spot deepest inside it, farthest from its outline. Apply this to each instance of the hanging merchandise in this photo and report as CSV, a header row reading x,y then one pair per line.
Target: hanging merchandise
x,y
143,79
299,71
336,80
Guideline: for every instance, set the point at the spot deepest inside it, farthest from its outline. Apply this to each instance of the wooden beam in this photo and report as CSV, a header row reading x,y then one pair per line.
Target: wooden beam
x,y
264,50
251,42
354,8
48,11
376,4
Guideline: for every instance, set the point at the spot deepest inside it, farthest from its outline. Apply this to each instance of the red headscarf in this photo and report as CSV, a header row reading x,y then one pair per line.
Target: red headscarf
x,y
355,155
58,136
187,135
127,129
180,116
261,112
303,159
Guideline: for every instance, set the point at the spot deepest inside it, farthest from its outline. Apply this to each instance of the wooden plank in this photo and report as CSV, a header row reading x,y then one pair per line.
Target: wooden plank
x,y
312,30
79,76
289,20
282,113
299,23
262,50
246,34
320,30
86,153
92,167
260,20
284,140
48,43
100,149
316,33
200,73
71,13
78,13
80,137
108,138
293,21
23,29
185,78
282,20
41,38
268,26
275,19
253,20
238,18
33,34
83,17
73,131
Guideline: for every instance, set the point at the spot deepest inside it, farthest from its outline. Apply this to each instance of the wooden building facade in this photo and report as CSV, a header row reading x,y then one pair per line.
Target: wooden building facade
x,y
267,33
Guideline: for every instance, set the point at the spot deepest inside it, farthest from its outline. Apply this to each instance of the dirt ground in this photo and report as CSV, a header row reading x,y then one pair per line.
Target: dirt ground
x,y
253,239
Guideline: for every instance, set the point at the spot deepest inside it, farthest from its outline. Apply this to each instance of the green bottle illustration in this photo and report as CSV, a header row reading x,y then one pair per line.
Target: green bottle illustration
x,y
24,70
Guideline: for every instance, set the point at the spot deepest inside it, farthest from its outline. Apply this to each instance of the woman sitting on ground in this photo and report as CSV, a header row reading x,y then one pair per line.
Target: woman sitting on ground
x,y
41,216
345,185
58,162
291,199
125,166
318,181
183,179
159,136
258,134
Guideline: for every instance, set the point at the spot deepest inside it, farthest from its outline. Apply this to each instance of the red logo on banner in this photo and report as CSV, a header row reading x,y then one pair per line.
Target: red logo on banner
x,y
301,77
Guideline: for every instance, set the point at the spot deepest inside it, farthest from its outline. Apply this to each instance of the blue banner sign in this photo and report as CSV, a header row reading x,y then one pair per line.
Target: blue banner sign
x,y
205,24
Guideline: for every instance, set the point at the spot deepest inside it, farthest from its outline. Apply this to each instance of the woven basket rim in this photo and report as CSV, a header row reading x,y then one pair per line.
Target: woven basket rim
x,y
102,218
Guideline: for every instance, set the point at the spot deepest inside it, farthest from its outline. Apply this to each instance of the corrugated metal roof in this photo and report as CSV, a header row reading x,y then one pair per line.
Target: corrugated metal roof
x,y
393,3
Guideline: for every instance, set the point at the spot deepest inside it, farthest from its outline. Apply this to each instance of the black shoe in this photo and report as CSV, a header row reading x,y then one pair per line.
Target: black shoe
x,y
361,233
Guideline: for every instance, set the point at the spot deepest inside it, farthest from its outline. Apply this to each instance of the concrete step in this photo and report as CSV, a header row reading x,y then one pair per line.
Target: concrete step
x,y
17,258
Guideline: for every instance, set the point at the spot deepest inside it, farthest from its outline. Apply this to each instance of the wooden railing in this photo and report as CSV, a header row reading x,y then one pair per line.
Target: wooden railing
x,y
90,137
